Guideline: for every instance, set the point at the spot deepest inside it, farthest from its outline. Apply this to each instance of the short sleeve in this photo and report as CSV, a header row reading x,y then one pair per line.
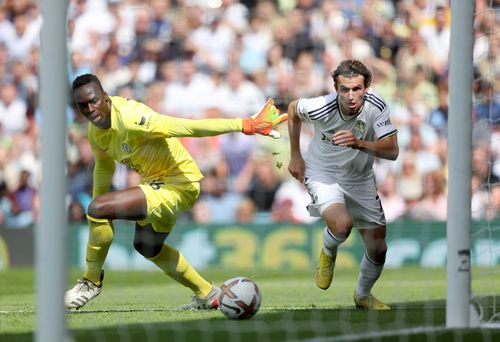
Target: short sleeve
x,y
383,126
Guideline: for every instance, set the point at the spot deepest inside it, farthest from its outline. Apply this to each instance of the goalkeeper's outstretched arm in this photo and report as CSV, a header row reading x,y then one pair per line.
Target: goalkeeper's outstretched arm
x,y
262,123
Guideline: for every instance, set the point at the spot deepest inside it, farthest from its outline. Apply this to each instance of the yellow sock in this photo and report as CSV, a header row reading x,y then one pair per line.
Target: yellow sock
x,y
173,263
100,238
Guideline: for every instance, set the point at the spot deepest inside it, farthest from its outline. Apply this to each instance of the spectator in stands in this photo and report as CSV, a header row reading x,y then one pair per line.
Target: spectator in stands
x,y
409,181
438,117
414,52
13,110
193,84
263,183
436,34
425,158
5,205
220,204
212,43
79,166
421,93
76,213
481,201
23,37
483,170
304,38
240,90
488,108
392,200
433,206
24,202
245,212
290,203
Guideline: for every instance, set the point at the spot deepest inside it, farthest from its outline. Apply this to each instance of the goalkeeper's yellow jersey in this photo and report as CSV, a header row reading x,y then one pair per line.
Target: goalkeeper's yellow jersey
x,y
146,142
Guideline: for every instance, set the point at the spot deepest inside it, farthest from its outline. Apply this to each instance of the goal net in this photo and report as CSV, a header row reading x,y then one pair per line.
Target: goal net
x,y
203,59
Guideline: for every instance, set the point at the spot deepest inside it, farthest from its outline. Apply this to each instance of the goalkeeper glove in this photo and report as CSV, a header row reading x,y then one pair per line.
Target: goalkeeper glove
x,y
264,121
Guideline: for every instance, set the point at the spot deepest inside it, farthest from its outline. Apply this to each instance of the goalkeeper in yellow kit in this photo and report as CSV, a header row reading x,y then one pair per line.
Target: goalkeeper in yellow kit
x,y
133,134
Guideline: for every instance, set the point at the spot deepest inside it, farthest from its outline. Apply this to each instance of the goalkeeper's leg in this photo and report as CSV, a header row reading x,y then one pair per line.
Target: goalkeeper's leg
x,y
90,286
150,244
100,238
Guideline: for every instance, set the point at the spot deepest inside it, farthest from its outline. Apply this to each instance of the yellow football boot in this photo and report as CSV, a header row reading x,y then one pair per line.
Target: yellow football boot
x,y
324,271
369,303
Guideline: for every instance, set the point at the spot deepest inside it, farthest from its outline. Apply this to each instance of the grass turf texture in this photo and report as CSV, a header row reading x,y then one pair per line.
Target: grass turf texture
x,y
141,306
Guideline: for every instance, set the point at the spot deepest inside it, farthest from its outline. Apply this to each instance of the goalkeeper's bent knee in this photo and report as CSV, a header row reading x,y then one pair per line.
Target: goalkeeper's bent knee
x,y
100,232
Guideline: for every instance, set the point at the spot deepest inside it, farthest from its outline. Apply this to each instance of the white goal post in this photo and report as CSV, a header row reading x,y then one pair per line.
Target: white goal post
x,y
51,233
458,288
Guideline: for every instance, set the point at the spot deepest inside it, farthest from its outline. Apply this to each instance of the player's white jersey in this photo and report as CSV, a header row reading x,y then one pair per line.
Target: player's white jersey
x,y
327,162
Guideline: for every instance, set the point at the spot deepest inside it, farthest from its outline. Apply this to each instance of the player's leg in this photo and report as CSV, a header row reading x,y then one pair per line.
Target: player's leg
x,y
125,204
371,268
128,204
368,215
150,244
165,202
329,203
90,285
338,227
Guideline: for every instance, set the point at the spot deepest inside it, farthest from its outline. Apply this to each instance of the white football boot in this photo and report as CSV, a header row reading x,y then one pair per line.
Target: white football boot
x,y
210,302
82,293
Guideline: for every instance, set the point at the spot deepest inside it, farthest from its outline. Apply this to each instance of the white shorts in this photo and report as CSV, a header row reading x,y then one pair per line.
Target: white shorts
x,y
362,202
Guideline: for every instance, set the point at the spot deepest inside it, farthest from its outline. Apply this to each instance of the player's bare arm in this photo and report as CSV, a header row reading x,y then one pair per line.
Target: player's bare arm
x,y
386,148
297,165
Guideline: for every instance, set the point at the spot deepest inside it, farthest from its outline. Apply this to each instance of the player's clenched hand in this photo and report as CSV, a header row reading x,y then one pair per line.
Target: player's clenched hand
x,y
264,121
297,168
345,138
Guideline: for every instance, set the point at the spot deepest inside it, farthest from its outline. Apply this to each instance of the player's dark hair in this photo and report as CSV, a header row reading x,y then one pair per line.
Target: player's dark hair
x,y
352,68
86,79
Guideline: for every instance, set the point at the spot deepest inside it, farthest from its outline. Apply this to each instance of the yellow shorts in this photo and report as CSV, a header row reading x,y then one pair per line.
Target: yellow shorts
x,y
166,201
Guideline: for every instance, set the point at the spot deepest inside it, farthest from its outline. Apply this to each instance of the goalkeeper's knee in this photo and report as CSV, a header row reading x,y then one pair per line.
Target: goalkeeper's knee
x,y
100,231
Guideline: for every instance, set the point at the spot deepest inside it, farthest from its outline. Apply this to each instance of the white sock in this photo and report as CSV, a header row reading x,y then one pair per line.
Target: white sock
x,y
369,272
331,242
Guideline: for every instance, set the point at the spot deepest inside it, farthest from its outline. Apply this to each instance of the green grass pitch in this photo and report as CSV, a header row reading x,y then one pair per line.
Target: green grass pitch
x,y
140,306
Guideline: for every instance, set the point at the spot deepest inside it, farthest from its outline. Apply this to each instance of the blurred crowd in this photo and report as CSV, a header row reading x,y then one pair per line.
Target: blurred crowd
x,y
224,58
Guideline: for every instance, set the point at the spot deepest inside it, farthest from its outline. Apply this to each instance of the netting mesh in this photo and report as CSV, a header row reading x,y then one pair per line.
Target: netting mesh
x,y
486,157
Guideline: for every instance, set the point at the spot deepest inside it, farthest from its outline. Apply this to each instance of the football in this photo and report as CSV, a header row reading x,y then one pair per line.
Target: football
x,y
240,298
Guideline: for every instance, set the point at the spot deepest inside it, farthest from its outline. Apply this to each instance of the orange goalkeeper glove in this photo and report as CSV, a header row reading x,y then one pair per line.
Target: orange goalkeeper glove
x,y
264,121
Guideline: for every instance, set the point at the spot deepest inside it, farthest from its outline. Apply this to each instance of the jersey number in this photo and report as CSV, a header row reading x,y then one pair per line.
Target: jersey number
x,y
156,184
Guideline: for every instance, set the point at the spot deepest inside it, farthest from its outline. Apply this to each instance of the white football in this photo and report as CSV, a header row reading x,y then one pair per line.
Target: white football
x,y
240,298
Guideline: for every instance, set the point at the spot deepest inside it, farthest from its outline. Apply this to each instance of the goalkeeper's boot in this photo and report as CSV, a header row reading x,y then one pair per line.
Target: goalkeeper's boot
x,y
369,303
82,293
210,302
324,271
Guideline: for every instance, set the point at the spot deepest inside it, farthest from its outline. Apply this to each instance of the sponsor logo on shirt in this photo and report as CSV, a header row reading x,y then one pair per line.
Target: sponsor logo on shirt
x,y
136,167
126,148
384,123
142,121
328,136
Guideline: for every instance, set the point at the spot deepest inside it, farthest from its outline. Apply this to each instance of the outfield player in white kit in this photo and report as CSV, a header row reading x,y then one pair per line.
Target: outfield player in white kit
x,y
352,127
